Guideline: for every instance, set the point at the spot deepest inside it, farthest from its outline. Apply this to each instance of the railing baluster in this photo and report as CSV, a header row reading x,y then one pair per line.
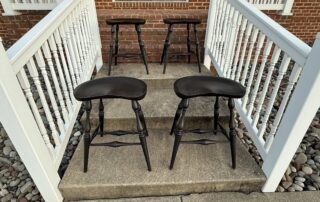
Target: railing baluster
x,y
227,41
266,84
254,93
78,43
25,85
71,57
47,54
283,69
234,37
61,78
219,29
82,42
65,67
85,32
292,81
216,28
224,33
252,43
236,59
253,69
89,32
76,52
35,76
244,50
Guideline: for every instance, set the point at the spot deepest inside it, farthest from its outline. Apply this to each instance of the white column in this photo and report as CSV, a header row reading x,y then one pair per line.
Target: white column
x,y
287,10
209,32
18,121
302,107
7,7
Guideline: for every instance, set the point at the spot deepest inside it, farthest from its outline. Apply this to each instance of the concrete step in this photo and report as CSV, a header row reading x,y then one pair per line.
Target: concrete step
x,y
155,78
160,104
159,107
311,196
122,173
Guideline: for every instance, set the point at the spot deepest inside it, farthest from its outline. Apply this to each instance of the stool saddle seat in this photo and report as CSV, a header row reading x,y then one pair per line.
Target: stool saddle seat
x,y
126,21
111,87
195,86
181,21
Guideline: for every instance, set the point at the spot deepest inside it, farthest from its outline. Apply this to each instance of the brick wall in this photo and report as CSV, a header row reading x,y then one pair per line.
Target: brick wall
x,y
305,23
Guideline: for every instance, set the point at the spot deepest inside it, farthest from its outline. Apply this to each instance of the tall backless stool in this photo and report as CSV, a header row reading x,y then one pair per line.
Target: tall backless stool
x,y
109,88
114,42
204,86
176,21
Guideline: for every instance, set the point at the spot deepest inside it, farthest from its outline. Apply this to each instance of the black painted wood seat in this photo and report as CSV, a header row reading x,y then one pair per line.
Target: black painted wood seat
x,y
109,88
114,41
126,21
178,21
197,86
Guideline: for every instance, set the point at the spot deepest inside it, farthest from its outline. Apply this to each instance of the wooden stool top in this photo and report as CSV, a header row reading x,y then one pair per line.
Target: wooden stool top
x,y
195,86
111,87
126,21
181,21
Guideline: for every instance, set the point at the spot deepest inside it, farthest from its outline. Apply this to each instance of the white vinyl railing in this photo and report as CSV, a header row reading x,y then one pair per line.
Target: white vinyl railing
x,y
281,75
283,6
12,7
38,75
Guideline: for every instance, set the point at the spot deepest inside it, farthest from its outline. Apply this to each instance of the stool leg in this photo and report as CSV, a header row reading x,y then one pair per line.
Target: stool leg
x,y
197,46
143,121
232,133
86,137
176,117
117,45
178,132
101,117
216,114
81,112
111,48
142,49
166,48
188,42
136,108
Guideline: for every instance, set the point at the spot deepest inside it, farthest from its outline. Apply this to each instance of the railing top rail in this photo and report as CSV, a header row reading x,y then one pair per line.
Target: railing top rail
x,y
288,42
27,45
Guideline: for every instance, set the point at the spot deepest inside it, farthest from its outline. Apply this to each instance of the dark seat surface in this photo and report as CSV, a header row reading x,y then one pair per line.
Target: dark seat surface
x,y
194,86
181,21
111,87
126,21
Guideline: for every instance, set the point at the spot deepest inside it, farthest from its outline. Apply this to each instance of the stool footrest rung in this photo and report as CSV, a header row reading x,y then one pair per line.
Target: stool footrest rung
x,y
181,53
119,132
200,131
115,144
127,55
204,141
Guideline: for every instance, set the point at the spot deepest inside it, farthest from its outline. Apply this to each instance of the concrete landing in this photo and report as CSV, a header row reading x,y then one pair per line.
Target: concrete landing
x,y
121,172
155,78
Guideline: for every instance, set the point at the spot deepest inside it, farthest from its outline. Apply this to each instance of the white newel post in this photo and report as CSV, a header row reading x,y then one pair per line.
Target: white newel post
x,y
209,32
7,7
17,119
287,10
300,111
99,62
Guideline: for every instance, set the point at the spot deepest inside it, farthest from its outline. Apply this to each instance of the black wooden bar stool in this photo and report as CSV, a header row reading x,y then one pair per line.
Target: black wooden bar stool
x,y
113,87
196,86
166,53
115,42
